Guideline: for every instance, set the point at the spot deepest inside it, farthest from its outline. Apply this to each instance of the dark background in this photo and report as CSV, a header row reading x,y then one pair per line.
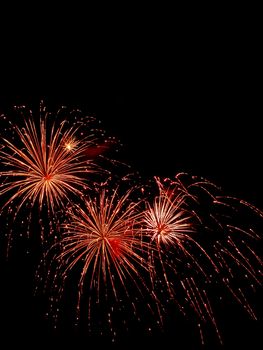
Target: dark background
x,y
180,97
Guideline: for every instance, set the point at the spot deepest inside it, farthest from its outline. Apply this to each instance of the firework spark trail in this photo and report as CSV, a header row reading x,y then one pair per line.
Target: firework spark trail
x,y
193,225
106,239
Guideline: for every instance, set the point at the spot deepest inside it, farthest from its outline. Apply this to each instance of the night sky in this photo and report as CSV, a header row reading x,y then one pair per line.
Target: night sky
x,y
186,102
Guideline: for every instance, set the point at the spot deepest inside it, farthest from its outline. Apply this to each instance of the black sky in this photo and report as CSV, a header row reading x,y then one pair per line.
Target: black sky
x,y
188,100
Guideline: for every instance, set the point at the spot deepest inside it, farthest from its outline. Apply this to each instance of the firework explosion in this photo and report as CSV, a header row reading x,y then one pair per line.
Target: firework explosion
x,y
44,164
175,248
104,236
200,247
165,220
49,163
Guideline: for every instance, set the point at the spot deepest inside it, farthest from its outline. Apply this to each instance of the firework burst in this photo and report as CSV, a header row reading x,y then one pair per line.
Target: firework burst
x,y
124,256
106,239
200,247
47,163
165,220
44,164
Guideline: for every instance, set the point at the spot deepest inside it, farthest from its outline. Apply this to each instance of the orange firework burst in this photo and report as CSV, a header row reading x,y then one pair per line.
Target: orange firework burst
x,y
106,234
199,245
171,226
106,239
44,163
165,220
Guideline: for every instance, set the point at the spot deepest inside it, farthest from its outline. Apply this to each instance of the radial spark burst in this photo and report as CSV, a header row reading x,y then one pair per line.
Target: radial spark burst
x,y
166,220
105,238
202,247
44,162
